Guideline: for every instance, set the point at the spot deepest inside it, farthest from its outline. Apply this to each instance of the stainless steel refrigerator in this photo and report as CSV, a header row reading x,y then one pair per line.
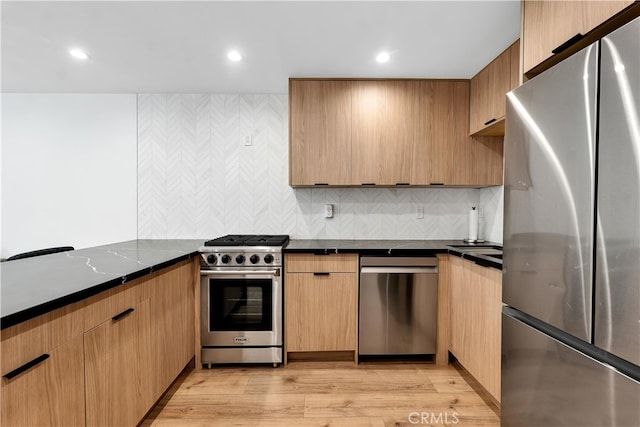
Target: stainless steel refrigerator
x,y
571,284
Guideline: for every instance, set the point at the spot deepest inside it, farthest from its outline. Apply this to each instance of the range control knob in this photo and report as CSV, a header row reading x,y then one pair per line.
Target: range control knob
x,y
226,259
212,259
254,259
268,258
240,259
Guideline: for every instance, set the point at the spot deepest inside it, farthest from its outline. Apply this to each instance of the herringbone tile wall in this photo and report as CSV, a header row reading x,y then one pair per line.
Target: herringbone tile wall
x,y
198,179
492,201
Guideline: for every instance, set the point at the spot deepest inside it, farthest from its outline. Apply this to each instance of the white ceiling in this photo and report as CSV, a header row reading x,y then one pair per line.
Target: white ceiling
x,y
180,46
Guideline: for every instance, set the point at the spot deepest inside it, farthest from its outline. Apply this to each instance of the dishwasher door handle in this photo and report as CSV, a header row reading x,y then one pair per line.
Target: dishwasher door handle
x,y
399,270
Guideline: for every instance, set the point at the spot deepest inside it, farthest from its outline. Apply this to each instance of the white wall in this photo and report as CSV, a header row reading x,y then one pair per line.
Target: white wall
x,y
197,179
68,170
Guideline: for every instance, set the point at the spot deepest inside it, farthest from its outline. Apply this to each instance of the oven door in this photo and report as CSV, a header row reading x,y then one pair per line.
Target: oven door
x,y
241,308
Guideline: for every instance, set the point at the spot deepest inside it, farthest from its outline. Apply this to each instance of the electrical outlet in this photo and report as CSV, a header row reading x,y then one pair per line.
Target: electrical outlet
x,y
419,212
480,212
328,211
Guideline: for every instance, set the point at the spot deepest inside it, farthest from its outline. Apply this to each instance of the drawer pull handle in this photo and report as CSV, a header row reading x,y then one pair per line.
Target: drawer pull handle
x,y
488,122
123,314
26,366
368,183
322,252
564,46
402,183
321,183
321,273
436,183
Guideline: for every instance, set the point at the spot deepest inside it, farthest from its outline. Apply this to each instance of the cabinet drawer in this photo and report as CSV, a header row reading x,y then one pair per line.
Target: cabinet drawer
x,y
48,392
310,263
28,340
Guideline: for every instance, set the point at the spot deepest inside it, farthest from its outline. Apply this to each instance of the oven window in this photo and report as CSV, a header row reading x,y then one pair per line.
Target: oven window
x,y
240,305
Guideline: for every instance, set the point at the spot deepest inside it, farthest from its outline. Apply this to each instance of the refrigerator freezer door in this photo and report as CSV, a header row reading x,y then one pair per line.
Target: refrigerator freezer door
x,y
546,383
549,194
617,305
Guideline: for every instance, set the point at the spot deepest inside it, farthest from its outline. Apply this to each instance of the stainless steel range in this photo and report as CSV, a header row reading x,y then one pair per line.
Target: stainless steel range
x,y
241,299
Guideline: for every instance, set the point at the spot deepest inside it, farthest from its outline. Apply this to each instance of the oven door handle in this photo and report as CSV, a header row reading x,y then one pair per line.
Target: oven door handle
x,y
240,273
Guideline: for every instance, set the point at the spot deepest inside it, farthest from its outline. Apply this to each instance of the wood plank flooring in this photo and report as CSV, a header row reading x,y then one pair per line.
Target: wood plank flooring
x,y
315,394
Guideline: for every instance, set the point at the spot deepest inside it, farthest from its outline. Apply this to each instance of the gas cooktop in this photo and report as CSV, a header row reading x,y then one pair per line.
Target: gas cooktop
x,y
249,240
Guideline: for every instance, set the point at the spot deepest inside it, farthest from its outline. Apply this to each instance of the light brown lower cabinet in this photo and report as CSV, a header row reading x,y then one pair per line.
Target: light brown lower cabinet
x,y
118,368
321,303
475,320
105,360
172,326
51,393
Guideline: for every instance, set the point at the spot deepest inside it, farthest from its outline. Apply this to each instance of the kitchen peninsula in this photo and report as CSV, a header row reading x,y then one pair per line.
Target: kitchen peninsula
x,y
116,323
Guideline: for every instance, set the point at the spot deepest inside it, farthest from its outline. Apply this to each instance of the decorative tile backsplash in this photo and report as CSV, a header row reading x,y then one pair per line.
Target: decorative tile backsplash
x,y
214,164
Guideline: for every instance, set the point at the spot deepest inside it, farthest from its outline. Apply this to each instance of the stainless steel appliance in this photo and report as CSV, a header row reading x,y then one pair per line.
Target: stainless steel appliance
x,y
398,300
241,299
571,330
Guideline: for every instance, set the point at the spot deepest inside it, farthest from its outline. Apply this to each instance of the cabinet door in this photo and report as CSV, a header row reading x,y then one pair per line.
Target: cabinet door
x,y
386,145
486,308
548,24
459,311
446,105
515,75
320,132
488,158
50,393
173,330
488,91
118,369
320,312
475,321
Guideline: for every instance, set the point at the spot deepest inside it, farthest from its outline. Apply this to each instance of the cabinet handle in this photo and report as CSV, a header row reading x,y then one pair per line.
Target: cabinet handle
x,y
26,366
402,183
436,183
368,183
321,273
564,46
322,252
321,183
488,122
123,314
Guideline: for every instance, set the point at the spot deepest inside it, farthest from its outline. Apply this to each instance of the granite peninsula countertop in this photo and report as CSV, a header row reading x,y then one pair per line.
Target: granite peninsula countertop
x,y
33,286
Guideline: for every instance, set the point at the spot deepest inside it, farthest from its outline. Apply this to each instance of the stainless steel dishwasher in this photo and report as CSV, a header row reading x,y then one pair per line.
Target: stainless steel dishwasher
x,y
398,302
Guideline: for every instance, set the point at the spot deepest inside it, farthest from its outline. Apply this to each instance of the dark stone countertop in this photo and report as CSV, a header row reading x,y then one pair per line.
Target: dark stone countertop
x,y
397,248
34,286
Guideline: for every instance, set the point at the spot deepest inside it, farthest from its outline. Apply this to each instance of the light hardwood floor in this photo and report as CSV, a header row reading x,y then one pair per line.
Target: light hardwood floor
x,y
305,394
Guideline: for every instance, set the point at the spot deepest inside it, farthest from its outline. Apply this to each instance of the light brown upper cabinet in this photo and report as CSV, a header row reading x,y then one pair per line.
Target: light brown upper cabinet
x,y
386,145
456,159
400,133
320,132
550,25
445,110
488,90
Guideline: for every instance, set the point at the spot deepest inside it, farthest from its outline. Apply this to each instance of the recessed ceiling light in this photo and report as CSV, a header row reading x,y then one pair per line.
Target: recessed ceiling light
x,y
234,56
79,54
383,57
